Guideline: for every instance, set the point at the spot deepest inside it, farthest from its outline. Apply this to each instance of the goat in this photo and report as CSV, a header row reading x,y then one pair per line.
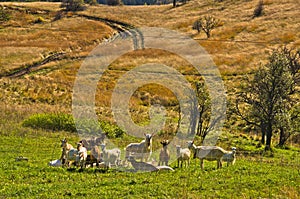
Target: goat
x,y
139,150
71,157
66,147
164,155
183,155
95,156
82,155
229,156
141,166
111,157
90,143
210,153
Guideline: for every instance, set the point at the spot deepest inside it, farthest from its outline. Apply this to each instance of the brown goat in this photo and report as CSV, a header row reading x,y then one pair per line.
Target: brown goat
x,y
164,155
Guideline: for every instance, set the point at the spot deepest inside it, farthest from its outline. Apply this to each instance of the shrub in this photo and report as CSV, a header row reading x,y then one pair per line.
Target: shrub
x,y
258,11
4,15
65,122
73,5
113,2
39,20
55,122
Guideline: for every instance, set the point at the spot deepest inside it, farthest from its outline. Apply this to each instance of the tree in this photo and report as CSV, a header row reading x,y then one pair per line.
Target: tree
x,y
207,24
293,57
204,108
267,95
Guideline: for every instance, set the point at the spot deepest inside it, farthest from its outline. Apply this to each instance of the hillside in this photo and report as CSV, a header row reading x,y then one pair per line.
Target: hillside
x,y
42,48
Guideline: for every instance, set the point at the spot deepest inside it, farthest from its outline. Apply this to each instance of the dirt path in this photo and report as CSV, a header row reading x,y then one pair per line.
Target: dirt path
x,y
120,28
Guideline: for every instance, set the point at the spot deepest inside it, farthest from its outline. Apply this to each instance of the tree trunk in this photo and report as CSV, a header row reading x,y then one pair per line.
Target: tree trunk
x,y
174,3
269,136
263,132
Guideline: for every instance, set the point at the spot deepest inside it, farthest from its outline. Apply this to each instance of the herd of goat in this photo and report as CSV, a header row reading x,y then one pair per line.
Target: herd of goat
x,y
112,157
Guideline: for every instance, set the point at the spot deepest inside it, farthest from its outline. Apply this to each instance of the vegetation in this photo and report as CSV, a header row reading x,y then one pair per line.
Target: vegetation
x,y
207,24
4,15
268,96
258,11
73,5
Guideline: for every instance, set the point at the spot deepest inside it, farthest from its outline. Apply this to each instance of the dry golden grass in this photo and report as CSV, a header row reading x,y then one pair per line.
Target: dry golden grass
x,y
238,46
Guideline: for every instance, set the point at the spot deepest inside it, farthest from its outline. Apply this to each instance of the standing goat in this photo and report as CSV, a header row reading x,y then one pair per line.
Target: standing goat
x,y
111,157
210,153
140,150
164,155
229,156
66,147
82,155
95,156
183,155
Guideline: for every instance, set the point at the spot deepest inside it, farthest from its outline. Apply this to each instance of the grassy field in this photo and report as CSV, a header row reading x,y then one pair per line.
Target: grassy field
x,y
251,177
37,31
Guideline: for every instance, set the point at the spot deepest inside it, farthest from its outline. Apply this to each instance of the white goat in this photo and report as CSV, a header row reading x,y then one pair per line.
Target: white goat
x,y
164,155
183,155
229,156
141,166
140,150
210,153
82,155
111,157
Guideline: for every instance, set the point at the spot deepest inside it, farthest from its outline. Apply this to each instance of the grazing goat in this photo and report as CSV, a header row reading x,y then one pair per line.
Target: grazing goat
x,y
210,153
141,166
140,150
183,155
229,156
66,147
82,155
164,155
111,157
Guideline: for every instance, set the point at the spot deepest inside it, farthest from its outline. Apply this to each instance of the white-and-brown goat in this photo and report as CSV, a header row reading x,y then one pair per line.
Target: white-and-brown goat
x,y
209,153
140,150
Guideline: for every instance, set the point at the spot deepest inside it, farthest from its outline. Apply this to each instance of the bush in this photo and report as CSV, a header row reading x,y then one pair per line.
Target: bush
x,y
54,122
113,2
39,20
258,11
73,5
65,122
4,15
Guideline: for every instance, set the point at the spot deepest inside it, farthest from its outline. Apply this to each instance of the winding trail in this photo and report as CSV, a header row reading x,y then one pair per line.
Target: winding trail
x,y
121,29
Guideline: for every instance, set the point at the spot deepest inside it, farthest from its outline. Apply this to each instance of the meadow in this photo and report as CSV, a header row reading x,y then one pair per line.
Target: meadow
x,y
37,31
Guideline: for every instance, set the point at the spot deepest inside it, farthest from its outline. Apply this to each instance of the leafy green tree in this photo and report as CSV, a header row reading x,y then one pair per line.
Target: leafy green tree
x,y
267,96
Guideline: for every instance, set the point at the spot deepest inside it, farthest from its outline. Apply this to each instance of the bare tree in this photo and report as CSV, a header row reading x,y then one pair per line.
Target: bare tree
x,y
207,24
